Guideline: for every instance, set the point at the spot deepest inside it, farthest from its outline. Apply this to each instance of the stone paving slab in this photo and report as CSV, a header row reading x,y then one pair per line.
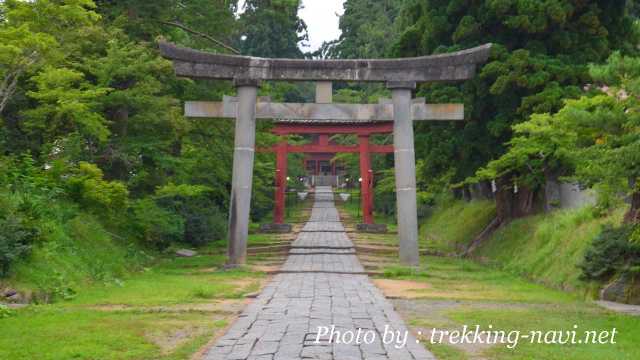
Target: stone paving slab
x,y
311,251
323,263
322,290
324,214
317,226
322,240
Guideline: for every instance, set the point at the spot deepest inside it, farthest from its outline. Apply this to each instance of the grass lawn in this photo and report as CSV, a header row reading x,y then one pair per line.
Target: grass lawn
x,y
454,224
448,293
547,247
167,311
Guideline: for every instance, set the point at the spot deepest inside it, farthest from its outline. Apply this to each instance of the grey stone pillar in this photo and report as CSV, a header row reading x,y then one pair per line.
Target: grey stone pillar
x,y
405,166
243,154
324,92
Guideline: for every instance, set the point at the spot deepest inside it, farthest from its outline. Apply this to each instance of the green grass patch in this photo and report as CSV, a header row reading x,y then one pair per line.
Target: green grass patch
x,y
446,352
460,279
73,255
167,311
455,223
395,272
184,280
562,318
462,292
54,332
546,248
262,239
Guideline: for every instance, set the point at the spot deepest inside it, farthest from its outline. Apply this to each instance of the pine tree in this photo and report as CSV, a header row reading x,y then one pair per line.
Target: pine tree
x,y
272,28
540,57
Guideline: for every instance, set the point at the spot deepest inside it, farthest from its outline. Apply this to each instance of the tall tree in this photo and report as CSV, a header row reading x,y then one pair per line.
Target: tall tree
x,y
540,57
593,139
272,28
367,30
205,24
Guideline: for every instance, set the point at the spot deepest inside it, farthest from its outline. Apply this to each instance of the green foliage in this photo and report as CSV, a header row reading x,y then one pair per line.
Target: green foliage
x,y
393,272
203,222
91,121
66,104
30,40
610,252
453,224
272,28
385,192
86,186
179,213
593,139
156,226
546,248
366,28
145,20
71,252
541,51
17,235
5,312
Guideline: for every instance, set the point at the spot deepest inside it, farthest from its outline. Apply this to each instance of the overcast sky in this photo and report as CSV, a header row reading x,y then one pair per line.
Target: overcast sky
x,y
322,17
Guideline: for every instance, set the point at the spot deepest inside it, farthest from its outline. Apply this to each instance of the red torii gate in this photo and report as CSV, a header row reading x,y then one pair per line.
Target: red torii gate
x,y
364,148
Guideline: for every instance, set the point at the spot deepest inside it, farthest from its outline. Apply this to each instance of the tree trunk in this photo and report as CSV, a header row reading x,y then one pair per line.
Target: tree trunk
x,y
485,190
511,205
551,191
466,193
121,121
633,215
504,200
523,202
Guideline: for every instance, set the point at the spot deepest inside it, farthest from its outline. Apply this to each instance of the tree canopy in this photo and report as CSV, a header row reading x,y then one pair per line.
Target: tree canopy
x,y
91,116
540,58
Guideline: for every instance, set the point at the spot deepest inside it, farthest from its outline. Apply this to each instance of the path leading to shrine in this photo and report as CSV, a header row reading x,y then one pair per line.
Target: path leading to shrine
x,y
322,284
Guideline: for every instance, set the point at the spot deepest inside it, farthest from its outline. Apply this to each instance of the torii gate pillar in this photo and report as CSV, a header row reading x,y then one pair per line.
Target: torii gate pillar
x,y
242,178
405,172
281,183
366,174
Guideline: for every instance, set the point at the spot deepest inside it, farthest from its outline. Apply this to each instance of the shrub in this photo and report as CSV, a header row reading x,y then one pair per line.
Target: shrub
x,y
203,223
16,234
5,312
87,187
611,252
203,220
157,227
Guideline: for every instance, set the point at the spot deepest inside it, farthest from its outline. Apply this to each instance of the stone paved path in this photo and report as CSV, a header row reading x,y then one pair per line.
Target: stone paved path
x,y
321,284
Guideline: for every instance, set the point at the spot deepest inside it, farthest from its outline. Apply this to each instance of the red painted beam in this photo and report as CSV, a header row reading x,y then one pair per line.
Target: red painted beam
x,y
358,129
314,149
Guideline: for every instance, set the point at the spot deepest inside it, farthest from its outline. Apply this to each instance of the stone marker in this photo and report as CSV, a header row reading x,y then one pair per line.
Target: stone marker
x,y
186,253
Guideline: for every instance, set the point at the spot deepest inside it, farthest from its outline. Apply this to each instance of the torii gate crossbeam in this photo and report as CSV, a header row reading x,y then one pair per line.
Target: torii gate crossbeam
x,y
400,75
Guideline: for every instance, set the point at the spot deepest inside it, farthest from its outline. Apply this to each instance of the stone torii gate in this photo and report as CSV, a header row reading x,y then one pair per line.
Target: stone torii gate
x,y
362,120
400,76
